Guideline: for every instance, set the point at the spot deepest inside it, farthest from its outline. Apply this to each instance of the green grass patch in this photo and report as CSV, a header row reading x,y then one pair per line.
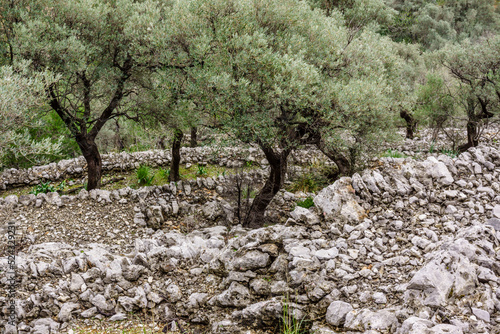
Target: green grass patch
x,y
307,203
144,177
451,153
393,154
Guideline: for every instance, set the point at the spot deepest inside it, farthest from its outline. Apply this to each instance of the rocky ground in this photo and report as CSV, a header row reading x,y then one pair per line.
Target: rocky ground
x,y
407,246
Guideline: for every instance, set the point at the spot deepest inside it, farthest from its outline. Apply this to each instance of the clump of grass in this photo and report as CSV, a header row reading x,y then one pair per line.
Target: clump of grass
x,y
393,154
46,187
144,176
164,173
290,325
307,203
450,153
202,171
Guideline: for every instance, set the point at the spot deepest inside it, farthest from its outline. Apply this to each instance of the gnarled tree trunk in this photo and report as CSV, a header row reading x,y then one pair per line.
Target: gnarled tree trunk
x,y
278,164
194,136
176,156
472,136
411,123
94,162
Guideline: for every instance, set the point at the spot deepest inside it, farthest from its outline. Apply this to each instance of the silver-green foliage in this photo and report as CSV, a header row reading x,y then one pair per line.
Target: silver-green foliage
x,y
21,100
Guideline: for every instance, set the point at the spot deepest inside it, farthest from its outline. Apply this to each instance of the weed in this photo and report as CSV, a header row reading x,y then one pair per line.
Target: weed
x,y
290,325
431,148
393,154
46,187
246,194
307,203
164,173
249,163
450,153
306,183
202,171
144,177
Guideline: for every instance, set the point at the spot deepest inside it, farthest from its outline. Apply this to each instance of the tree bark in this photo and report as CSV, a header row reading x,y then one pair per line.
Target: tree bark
x,y
176,156
194,136
411,123
94,162
472,136
161,143
118,141
278,164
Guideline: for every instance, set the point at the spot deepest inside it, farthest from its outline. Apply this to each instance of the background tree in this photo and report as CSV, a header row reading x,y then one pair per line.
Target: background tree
x,y
99,49
475,66
280,82
436,105
21,102
433,24
173,96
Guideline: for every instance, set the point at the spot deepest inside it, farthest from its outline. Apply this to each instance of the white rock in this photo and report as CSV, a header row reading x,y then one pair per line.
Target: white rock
x,y
481,314
337,311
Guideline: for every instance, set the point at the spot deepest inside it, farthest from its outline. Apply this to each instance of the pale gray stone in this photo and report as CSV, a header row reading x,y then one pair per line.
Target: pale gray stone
x,y
100,302
76,282
338,199
305,215
236,295
336,312
128,303
66,310
327,254
118,317
496,211
415,325
435,281
89,312
11,200
379,298
445,329
481,314
251,260
261,313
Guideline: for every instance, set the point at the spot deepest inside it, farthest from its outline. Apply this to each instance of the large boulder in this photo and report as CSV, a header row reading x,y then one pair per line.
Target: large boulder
x,y
338,199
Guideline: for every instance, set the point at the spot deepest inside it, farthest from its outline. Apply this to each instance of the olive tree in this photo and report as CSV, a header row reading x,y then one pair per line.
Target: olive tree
x,y
433,24
173,96
99,50
476,68
284,75
21,101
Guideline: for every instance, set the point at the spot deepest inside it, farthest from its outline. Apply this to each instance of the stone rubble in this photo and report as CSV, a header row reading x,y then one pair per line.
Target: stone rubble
x,y
407,247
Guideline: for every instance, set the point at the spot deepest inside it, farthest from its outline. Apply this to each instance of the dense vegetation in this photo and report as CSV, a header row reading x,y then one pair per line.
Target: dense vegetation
x,y
81,76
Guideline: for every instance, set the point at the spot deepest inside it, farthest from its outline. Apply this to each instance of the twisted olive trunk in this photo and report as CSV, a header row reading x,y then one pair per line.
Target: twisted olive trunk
x,y
278,164
93,158
176,156
411,123
194,137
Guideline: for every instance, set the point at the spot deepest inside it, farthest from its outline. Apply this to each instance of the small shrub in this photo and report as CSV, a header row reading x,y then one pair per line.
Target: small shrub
x,y
43,188
307,203
46,187
202,171
393,154
144,177
308,183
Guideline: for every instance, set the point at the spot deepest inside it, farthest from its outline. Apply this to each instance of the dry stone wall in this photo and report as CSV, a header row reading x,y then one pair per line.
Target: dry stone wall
x,y
75,168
